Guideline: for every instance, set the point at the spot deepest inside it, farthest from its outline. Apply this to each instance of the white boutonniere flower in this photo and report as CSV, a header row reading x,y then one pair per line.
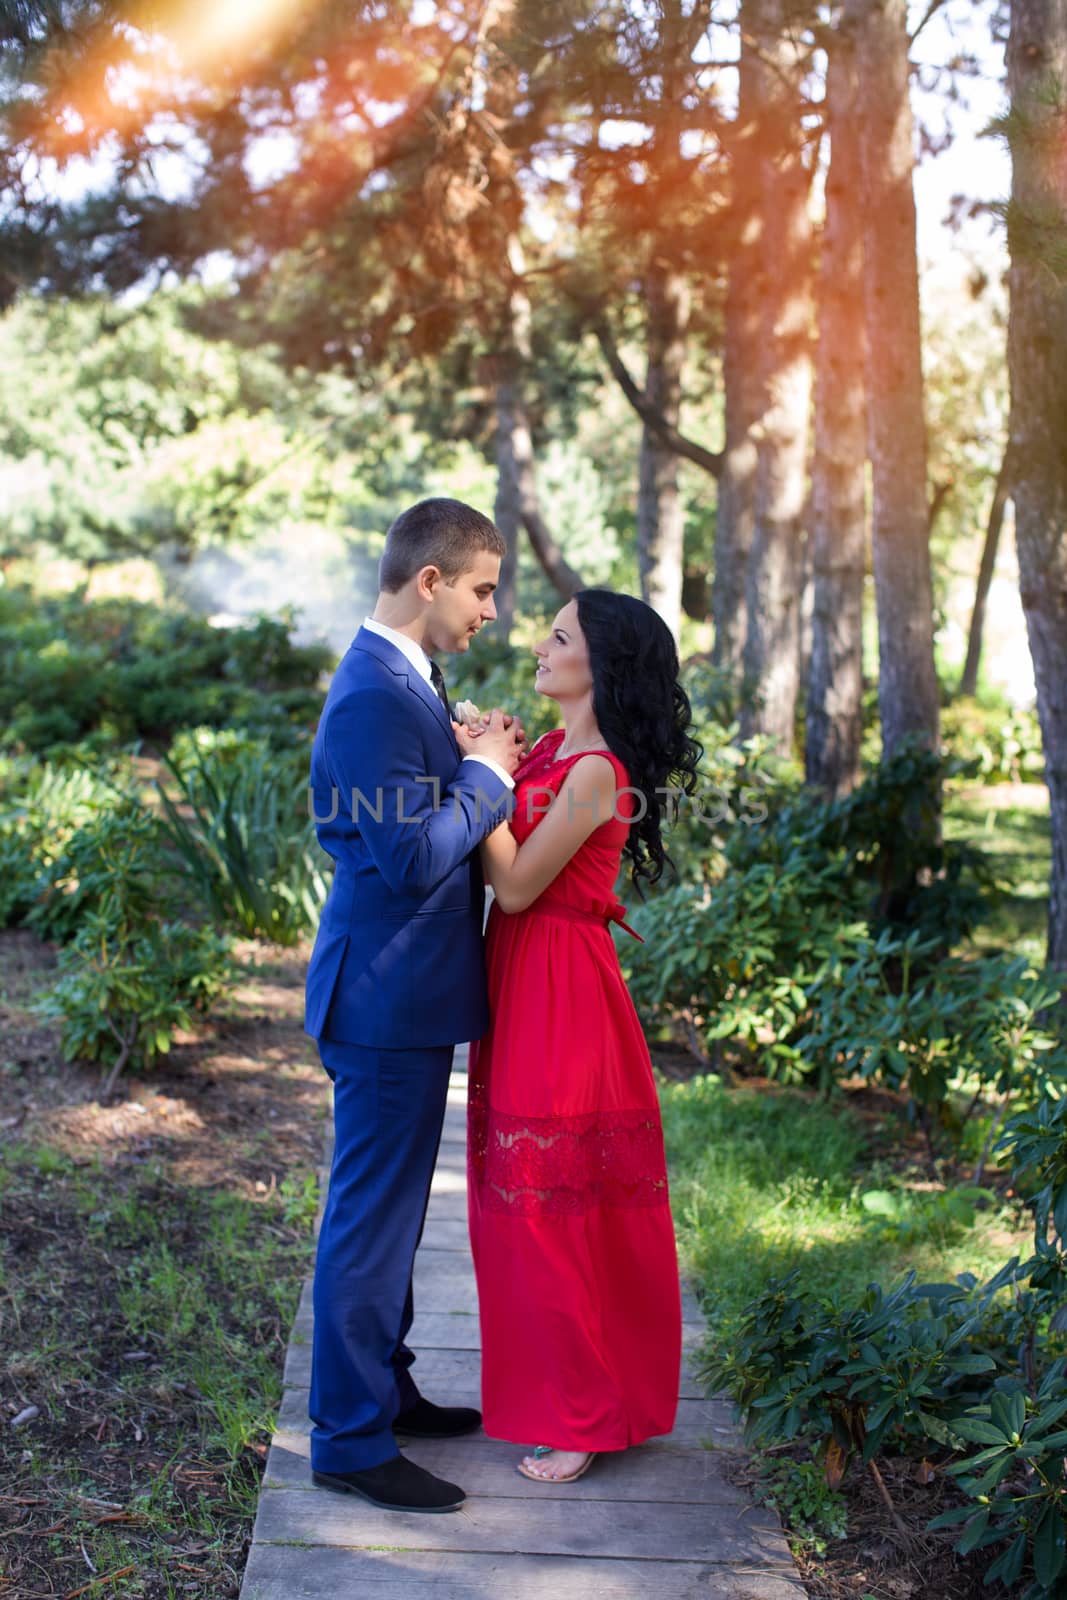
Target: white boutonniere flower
x,y
467,713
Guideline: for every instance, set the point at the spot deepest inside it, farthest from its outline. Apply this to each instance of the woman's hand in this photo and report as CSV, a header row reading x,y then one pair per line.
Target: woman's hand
x,y
469,725
499,737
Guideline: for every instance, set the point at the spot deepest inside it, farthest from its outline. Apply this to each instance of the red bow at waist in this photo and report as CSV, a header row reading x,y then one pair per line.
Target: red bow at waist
x,y
604,913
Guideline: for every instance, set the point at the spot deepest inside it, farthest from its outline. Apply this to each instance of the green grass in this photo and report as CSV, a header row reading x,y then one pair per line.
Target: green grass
x,y
153,1351
1017,839
766,1180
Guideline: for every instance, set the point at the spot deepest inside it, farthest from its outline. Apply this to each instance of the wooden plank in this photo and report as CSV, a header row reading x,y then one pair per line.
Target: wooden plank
x,y
648,1472
459,1330
443,1291
439,1330
446,1233
649,1530
693,1416
451,1185
699,1423
488,1469
292,1573
440,1373
433,1330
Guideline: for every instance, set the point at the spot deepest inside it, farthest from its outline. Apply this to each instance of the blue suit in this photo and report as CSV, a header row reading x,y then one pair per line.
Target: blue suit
x,y
396,979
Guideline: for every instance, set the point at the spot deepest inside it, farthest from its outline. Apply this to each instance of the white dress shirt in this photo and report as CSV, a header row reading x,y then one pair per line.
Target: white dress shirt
x,y
421,662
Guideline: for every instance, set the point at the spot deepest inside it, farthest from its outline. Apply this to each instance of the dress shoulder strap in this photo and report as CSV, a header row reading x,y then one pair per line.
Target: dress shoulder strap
x,y
620,770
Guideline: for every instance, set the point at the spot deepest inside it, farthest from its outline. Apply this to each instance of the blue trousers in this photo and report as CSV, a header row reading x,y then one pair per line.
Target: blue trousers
x,y
388,1109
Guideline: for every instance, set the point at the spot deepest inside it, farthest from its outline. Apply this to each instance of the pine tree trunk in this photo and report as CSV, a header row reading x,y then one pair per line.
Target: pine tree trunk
x,y
516,480
838,530
660,516
741,386
507,509
772,642
907,682
987,566
1037,365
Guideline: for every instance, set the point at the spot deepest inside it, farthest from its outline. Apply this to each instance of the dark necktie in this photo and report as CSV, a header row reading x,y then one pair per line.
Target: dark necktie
x,y
437,678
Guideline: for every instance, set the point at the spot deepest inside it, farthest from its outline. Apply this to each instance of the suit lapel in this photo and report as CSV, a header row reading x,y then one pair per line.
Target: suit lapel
x,y
428,694
398,663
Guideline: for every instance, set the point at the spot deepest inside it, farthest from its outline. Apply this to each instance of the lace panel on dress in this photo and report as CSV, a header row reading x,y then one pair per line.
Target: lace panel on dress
x,y
545,1166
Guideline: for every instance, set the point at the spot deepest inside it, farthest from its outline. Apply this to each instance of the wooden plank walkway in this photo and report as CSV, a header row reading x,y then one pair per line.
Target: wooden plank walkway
x,y
659,1521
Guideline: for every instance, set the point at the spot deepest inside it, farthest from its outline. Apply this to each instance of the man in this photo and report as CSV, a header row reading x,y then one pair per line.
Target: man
x,y
397,979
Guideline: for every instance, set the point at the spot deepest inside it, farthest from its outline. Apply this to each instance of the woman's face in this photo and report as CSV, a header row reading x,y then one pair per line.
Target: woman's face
x,y
563,669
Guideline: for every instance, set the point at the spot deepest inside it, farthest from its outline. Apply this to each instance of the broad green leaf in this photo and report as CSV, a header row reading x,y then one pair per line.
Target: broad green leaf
x,y
972,1363
950,1519
980,1431
1008,1566
973,1532
1049,1551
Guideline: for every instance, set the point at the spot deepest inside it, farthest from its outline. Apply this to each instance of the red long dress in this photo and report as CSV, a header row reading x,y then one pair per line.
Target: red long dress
x,y
569,1215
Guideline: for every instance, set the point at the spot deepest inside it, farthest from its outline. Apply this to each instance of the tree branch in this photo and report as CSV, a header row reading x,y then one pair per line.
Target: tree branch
x,y
710,460
990,546
941,493
128,1041
932,9
553,562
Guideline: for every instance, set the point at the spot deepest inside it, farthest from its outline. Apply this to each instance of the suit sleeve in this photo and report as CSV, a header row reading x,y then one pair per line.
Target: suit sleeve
x,y
416,829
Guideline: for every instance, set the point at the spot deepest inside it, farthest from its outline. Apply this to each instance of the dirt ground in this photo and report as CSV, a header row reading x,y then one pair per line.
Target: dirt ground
x,y
876,1561
195,1184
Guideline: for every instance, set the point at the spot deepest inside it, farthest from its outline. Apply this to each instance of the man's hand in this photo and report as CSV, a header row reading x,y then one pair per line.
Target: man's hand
x,y
498,736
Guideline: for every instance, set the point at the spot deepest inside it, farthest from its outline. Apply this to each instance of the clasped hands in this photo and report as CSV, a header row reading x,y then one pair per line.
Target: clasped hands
x,y
496,734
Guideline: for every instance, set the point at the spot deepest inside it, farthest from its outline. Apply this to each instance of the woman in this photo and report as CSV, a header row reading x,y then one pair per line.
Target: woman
x,y
570,1220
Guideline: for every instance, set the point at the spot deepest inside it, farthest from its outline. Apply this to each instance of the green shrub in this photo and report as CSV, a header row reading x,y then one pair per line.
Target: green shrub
x,y
55,692
902,1217
897,876
798,1490
18,878
801,943
225,747
993,744
736,959
119,670
713,693
973,1378
41,808
181,672
243,841
1036,1139
931,1027
114,860
1016,1482
129,972
124,990
739,780
850,1375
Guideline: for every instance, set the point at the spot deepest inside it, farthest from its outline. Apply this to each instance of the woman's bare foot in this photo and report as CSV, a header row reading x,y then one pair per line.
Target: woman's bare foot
x,y
555,1465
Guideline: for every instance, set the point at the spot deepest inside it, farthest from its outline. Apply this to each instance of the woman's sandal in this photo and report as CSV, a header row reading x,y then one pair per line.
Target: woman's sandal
x,y
546,1450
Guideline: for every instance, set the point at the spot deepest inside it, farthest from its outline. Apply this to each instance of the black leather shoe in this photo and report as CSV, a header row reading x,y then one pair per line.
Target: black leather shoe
x,y
424,1420
396,1485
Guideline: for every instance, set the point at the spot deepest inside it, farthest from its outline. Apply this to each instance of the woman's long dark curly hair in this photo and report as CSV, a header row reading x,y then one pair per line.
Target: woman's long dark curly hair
x,y
642,711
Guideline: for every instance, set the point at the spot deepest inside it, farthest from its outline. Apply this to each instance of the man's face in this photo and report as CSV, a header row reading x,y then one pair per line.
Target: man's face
x,y
459,609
